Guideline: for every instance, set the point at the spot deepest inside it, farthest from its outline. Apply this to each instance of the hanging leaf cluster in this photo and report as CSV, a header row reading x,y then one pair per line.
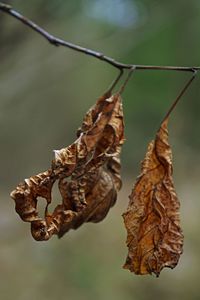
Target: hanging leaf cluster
x,y
87,173
88,176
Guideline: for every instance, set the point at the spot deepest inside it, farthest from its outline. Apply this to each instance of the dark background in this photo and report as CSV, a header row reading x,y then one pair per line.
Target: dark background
x,y
44,93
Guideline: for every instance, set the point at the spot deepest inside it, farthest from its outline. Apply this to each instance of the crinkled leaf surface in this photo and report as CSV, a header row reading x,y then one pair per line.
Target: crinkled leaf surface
x,y
155,239
87,172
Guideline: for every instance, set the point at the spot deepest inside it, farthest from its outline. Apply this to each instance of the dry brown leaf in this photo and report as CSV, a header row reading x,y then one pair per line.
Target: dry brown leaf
x,y
155,239
88,174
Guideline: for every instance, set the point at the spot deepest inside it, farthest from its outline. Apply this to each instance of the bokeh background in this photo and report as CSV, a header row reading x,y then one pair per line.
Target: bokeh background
x,y
44,93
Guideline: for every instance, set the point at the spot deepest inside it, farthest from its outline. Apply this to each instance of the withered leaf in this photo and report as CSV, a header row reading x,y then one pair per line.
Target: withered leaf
x,y
87,172
155,239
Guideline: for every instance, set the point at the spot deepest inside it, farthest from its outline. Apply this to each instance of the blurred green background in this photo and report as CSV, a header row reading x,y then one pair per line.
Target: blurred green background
x,y
44,93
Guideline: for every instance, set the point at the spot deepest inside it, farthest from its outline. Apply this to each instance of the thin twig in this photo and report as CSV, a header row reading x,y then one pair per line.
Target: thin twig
x,y
59,42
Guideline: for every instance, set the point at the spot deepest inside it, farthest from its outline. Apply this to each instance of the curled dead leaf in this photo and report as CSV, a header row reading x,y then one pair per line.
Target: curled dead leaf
x,y
155,239
87,171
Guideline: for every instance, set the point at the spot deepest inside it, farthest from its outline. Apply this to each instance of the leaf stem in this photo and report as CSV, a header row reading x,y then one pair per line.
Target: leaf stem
x,y
126,80
114,83
182,92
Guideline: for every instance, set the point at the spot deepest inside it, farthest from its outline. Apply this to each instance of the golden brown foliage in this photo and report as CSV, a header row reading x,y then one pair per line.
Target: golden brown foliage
x,y
155,239
88,174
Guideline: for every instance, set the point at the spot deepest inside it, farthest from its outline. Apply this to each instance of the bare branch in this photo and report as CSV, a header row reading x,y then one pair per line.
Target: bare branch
x,y
59,42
